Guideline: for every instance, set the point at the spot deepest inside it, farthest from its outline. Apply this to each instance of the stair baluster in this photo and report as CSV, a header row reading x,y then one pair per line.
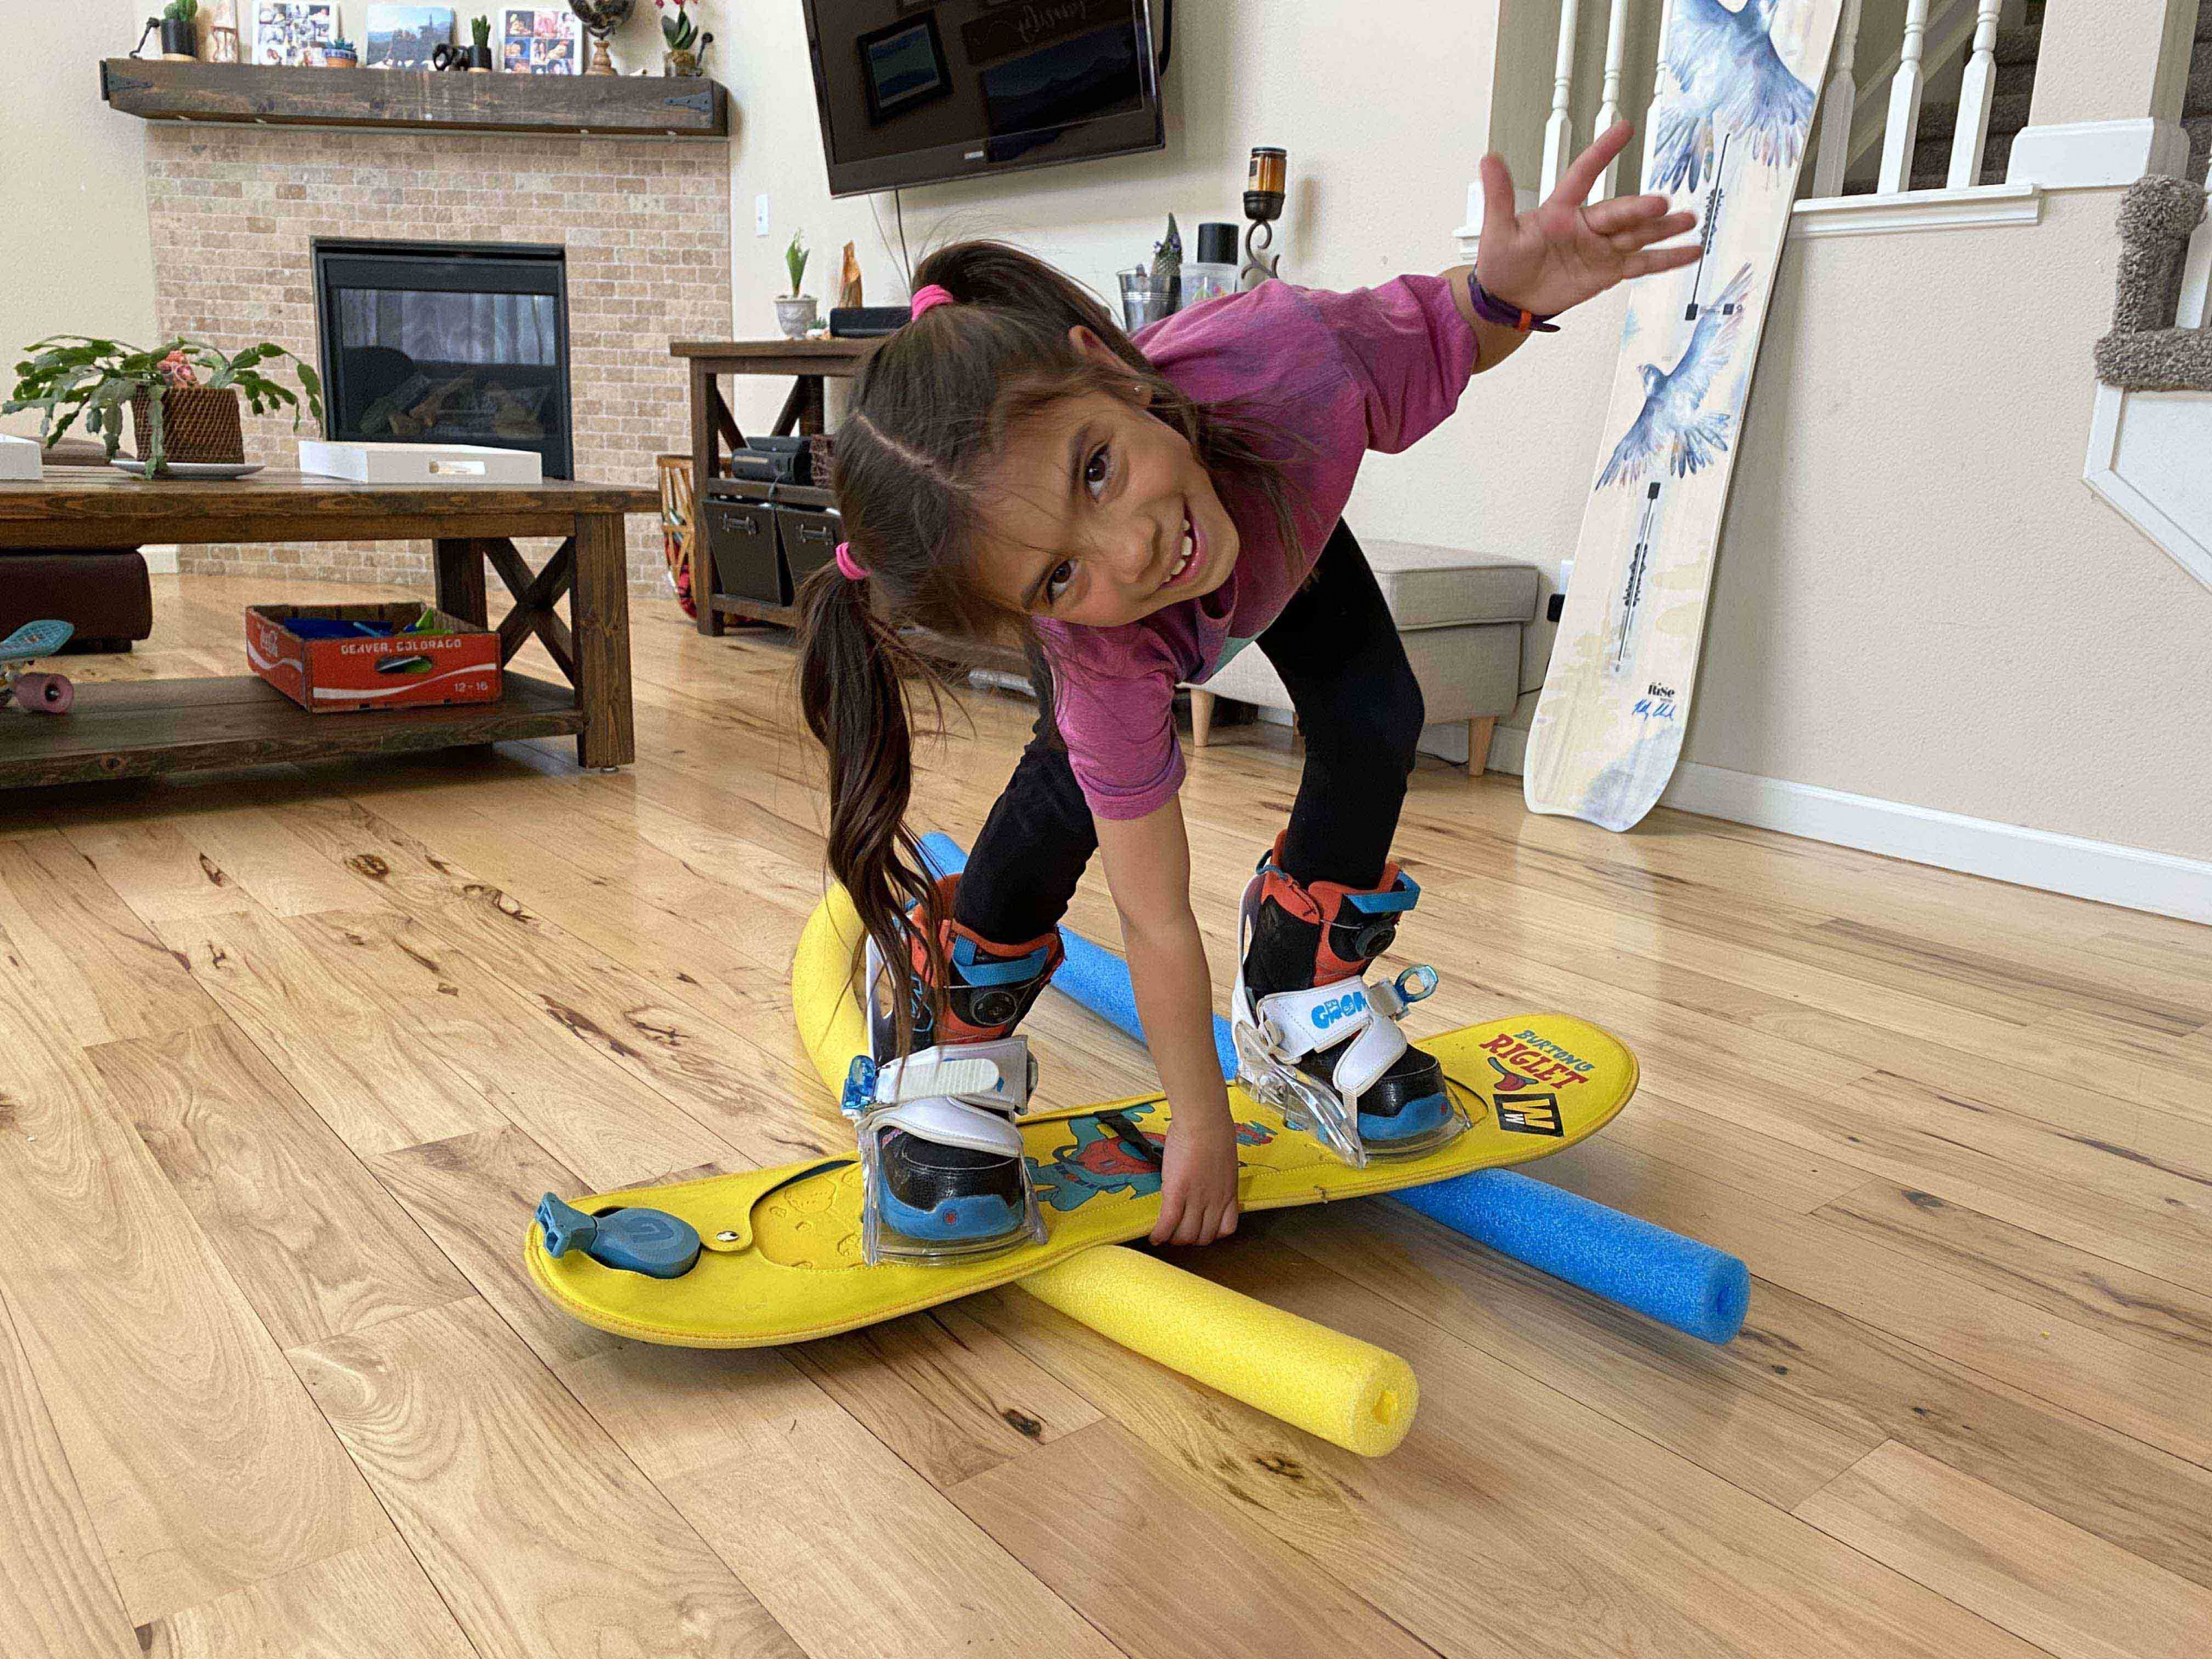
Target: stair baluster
x,y
1559,131
1977,90
1609,103
1905,104
1839,102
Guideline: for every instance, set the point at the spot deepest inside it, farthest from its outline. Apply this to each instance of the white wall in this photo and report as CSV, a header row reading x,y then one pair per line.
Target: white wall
x,y
74,257
1918,598
1383,111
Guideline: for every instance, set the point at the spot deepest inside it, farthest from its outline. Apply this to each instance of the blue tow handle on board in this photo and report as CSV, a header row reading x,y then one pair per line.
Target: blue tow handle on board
x,y
650,1242
1662,1275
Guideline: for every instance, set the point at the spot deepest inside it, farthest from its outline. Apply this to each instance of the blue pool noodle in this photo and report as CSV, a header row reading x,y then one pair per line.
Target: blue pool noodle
x,y
1662,1275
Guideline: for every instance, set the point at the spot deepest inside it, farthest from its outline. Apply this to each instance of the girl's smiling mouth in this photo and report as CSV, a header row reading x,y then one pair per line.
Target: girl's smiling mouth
x,y
1190,556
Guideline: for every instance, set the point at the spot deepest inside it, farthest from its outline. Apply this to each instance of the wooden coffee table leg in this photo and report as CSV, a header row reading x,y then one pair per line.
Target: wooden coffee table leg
x,y
461,581
600,613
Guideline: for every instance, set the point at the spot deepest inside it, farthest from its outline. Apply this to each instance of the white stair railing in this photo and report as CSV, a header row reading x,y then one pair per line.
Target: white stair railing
x,y
1898,139
1977,90
1838,101
1559,131
1609,102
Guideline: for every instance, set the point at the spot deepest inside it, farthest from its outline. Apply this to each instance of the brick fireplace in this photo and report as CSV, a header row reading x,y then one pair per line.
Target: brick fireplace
x,y
645,224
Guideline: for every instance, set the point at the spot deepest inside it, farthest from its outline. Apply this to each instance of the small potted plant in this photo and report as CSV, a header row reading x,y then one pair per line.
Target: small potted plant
x,y
341,53
795,311
177,18
685,53
183,395
479,50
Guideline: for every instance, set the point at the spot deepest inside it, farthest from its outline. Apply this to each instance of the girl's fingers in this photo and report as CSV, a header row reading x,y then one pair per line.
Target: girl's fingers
x,y
1171,1217
1499,219
1657,230
1621,211
1582,177
1657,259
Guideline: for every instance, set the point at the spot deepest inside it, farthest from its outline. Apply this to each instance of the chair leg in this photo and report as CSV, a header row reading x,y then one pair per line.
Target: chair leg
x,y
1201,717
1478,732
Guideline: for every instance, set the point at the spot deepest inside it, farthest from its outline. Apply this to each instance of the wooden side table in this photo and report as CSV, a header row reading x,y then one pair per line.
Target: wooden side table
x,y
135,729
810,363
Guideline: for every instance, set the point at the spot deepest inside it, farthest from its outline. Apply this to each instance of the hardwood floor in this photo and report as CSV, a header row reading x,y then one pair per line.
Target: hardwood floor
x,y
287,1056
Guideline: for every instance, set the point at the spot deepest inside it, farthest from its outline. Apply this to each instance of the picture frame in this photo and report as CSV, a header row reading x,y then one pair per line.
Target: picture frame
x,y
539,40
902,67
293,32
402,33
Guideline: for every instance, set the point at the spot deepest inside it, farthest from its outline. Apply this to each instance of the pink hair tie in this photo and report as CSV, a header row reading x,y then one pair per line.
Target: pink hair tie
x,y
929,297
853,572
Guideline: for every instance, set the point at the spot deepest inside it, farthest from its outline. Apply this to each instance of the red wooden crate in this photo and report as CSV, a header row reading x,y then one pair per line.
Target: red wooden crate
x,y
401,671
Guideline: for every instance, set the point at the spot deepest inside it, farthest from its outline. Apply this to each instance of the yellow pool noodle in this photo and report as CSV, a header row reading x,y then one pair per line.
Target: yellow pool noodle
x,y
1345,1390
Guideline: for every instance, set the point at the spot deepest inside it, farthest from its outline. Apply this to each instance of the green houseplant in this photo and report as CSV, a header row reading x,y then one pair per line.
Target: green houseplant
x,y
177,18
685,50
795,311
480,51
183,395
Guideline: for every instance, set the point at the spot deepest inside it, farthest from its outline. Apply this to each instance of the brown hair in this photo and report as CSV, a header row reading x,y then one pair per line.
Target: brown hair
x,y
933,406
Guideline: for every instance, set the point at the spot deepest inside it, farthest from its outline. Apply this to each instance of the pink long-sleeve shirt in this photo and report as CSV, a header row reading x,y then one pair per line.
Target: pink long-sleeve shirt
x,y
1344,373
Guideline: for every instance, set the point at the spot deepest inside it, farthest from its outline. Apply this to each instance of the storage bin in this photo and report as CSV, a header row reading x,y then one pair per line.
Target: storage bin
x,y
741,538
810,539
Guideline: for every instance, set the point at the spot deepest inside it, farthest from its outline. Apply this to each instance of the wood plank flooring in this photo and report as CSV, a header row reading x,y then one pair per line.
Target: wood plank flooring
x,y
287,1056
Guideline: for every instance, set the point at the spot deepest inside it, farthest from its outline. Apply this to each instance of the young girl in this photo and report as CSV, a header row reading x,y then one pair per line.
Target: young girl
x,y
1133,512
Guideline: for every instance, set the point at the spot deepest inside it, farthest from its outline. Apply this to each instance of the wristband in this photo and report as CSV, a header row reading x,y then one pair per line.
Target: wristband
x,y
1491,309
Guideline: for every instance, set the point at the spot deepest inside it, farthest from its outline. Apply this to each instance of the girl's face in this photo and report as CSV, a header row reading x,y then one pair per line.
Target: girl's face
x,y
1102,514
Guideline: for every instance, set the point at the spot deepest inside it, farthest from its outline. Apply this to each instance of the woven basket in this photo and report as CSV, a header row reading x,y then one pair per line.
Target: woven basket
x,y
197,424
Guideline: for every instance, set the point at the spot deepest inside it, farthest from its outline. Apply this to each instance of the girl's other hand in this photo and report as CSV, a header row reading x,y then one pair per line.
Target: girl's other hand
x,y
1567,250
1197,1183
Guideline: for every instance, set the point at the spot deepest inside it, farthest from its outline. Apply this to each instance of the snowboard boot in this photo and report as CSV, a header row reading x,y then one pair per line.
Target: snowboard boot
x,y
1315,1039
941,1154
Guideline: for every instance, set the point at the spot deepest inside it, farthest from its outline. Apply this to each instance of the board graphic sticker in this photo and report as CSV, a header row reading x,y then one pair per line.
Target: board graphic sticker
x,y
1738,89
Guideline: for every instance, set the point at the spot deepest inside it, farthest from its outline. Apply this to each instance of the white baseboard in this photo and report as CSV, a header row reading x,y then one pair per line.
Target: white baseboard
x,y
160,558
2133,877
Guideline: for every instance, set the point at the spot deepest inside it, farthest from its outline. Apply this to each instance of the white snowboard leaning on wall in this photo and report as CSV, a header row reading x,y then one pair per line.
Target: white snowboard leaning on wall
x,y
1727,138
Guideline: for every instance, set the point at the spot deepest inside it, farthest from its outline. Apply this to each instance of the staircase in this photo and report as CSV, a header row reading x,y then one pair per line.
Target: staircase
x,y
2018,47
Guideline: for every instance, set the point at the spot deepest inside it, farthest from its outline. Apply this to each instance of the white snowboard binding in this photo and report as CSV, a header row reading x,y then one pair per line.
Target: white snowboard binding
x,y
1330,1056
941,1158
941,1155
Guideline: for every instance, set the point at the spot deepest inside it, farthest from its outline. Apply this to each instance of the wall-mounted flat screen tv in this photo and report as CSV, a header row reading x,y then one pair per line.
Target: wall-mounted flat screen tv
x,y
916,93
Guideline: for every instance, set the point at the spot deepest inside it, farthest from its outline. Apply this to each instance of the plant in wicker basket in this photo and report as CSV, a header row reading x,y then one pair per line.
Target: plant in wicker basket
x,y
183,395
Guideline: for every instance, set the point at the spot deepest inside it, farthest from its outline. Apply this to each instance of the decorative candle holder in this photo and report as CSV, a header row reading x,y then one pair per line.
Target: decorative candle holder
x,y
1264,194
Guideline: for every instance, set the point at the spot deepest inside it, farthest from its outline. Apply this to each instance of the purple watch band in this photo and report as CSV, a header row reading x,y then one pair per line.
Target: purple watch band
x,y
1491,309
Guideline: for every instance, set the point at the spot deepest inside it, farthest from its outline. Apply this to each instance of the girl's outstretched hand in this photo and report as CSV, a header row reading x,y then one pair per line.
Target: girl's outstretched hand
x,y
1564,250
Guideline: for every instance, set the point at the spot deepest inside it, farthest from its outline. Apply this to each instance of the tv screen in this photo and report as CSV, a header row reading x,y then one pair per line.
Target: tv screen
x,y
914,93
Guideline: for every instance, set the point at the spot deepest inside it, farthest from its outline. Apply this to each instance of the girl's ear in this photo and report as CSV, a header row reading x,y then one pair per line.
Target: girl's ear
x,y
1092,349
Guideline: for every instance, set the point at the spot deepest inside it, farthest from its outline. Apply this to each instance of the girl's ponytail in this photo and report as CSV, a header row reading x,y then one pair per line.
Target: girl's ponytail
x,y
854,672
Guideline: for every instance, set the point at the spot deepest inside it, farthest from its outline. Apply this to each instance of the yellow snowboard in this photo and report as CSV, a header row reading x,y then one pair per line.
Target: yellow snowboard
x,y
782,1263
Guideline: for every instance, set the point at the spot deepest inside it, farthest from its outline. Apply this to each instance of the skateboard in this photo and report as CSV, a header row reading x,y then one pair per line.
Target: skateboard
x,y
1727,137
43,694
778,1251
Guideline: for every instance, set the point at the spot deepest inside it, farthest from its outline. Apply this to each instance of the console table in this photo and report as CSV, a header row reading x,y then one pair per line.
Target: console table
x,y
137,729
810,363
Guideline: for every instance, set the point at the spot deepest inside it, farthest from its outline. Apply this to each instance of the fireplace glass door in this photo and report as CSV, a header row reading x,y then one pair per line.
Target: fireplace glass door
x,y
440,343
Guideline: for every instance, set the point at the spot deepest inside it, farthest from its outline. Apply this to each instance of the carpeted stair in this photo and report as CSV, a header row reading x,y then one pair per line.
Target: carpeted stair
x,y
2145,351
2017,48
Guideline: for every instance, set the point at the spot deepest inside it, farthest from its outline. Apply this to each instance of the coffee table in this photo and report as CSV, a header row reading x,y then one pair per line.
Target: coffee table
x,y
136,729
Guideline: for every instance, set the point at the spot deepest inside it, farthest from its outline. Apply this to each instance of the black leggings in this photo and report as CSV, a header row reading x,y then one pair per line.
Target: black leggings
x,y
1339,653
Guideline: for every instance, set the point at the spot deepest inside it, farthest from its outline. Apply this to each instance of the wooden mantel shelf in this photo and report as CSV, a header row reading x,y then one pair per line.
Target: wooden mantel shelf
x,y
265,94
